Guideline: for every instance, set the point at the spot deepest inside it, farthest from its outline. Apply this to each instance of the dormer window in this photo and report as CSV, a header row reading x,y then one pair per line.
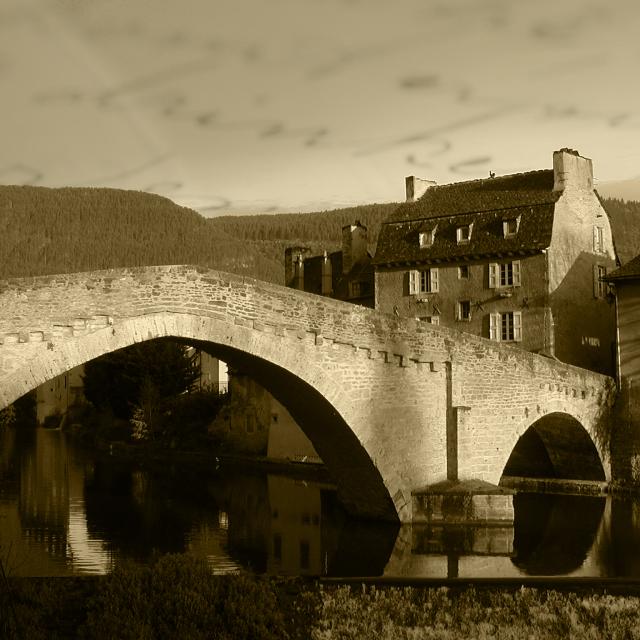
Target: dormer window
x,y
426,238
510,227
463,234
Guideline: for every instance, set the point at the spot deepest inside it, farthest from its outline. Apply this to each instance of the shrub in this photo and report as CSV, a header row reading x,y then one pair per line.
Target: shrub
x,y
179,597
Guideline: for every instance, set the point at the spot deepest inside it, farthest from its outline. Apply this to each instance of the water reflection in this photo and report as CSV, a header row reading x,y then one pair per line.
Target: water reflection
x,y
71,511
553,534
66,511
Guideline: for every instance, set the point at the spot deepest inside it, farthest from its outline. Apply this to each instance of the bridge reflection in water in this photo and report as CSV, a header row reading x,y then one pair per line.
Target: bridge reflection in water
x,y
66,511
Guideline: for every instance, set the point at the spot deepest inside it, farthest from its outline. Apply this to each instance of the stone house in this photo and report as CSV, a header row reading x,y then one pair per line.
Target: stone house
x,y
625,282
346,274
517,258
253,421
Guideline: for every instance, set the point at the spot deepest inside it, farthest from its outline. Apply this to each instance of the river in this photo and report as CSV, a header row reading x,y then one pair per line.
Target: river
x,y
65,510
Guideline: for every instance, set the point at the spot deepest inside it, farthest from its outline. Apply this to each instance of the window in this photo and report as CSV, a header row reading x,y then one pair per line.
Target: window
x,y
600,288
598,239
463,234
506,327
510,227
356,290
426,238
305,554
506,274
430,319
425,281
463,310
463,272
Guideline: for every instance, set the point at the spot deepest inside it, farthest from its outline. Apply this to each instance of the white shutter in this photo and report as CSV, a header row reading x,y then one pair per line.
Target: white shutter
x,y
493,275
516,273
494,326
414,282
433,275
517,326
596,249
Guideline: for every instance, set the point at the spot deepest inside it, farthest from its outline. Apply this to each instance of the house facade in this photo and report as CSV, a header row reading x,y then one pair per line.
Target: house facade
x,y
626,284
518,258
253,421
346,274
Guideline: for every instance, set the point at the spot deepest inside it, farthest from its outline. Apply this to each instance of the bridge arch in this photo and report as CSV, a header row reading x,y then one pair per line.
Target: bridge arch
x,y
555,445
416,397
314,395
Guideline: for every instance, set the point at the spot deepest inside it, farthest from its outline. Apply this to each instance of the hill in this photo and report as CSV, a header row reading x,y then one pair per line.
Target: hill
x,y
45,231
271,234
625,226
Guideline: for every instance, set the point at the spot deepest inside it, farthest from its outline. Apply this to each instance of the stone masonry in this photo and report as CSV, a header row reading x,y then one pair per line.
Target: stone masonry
x,y
390,404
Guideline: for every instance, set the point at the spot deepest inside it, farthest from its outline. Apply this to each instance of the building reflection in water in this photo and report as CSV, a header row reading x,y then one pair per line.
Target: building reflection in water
x,y
66,511
552,535
43,526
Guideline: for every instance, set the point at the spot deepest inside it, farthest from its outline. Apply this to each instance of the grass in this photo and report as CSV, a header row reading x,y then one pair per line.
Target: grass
x,y
178,597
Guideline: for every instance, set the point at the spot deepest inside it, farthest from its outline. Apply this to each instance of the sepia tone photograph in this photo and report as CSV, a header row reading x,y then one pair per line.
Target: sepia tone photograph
x,y
318,319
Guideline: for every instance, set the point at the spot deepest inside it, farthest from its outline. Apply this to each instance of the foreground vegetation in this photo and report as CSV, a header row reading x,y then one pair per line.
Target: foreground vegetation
x,y
178,597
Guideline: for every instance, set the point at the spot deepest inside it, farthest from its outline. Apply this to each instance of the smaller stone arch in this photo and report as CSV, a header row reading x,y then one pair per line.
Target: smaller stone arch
x,y
555,446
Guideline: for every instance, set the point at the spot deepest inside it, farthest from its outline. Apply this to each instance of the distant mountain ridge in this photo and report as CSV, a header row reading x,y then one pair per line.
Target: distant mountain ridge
x,y
46,231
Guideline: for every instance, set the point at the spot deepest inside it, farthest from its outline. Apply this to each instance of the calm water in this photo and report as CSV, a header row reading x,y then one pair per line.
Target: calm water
x,y
67,511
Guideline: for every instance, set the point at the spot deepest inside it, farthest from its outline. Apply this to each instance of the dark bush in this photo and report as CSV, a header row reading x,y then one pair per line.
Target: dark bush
x,y
179,597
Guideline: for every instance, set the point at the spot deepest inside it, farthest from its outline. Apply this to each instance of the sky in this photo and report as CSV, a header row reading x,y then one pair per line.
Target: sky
x,y
236,106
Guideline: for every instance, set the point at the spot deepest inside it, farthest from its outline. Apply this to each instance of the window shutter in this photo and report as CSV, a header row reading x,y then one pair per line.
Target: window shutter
x,y
433,274
516,273
596,281
596,248
414,282
494,326
493,274
517,326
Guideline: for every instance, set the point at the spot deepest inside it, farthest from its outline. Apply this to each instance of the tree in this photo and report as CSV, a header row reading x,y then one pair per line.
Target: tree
x,y
118,380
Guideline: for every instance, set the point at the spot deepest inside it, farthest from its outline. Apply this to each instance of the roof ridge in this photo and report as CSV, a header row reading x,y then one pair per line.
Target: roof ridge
x,y
466,213
493,179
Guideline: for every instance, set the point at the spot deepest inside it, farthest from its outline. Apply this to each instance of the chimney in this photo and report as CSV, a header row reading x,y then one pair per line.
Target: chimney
x,y
354,245
294,266
415,187
571,171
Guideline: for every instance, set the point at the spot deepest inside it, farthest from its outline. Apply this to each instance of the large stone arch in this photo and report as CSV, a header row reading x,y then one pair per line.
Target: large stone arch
x,y
315,395
556,445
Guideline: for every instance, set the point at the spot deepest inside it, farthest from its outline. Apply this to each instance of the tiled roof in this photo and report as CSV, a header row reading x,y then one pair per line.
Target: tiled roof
x,y
486,204
630,271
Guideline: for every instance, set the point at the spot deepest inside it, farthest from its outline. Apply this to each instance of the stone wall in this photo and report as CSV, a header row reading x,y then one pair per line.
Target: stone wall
x,y
530,298
369,389
584,325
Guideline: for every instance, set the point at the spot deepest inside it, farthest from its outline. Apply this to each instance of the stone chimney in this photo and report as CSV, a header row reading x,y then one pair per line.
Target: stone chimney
x,y
415,187
294,266
571,171
354,245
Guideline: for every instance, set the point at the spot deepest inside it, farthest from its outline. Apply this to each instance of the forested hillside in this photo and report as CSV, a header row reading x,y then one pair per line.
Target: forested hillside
x,y
625,225
272,234
45,231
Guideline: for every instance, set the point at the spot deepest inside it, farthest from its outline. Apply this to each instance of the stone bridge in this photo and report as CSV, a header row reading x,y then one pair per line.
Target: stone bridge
x,y
392,405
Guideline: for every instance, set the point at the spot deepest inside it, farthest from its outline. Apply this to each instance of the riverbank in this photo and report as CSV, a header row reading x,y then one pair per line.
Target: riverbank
x,y
178,598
